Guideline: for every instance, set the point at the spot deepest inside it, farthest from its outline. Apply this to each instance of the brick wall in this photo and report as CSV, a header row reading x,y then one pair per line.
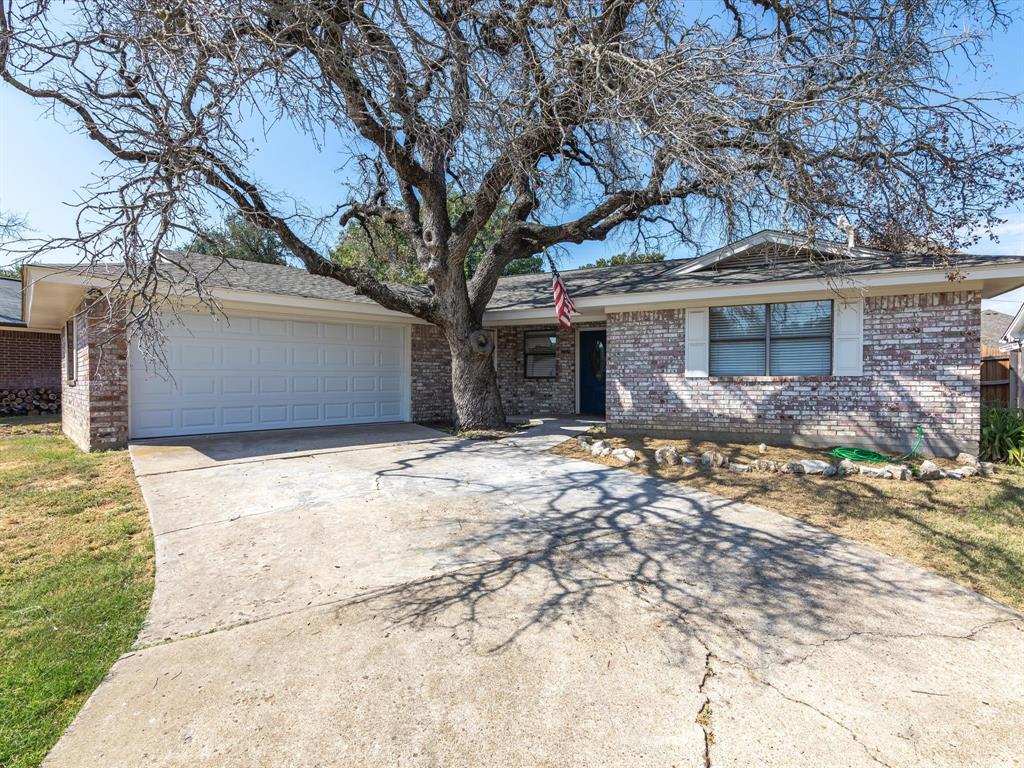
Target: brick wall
x,y
920,367
536,397
520,396
431,375
95,403
29,360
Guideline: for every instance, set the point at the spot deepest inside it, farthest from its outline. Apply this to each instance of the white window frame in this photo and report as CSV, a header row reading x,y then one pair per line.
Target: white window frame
x,y
768,339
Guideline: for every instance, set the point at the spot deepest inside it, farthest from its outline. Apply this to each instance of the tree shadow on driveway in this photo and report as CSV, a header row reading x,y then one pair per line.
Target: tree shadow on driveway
x,y
748,583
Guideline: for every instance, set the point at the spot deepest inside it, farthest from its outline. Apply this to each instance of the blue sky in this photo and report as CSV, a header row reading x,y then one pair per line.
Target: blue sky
x,y
43,164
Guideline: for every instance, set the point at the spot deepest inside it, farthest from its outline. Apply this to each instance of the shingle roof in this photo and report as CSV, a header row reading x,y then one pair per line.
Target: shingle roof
x,y
215,272
993,326
534,290
521,291
10,301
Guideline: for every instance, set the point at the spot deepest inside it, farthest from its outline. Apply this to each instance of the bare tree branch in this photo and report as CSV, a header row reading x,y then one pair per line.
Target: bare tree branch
x,y
592,118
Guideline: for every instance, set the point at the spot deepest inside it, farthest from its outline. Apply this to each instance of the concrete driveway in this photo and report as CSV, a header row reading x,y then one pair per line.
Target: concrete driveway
x,y
390,596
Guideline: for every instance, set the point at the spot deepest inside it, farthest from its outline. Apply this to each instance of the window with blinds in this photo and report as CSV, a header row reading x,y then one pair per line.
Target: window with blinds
x,y
800,339
539,355
739,340
792,339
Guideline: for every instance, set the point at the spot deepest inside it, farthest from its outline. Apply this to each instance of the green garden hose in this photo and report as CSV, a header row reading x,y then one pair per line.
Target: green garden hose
x,y
860,454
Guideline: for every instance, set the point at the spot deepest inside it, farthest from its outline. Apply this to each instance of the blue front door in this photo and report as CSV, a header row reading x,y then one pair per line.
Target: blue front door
x,y
593,360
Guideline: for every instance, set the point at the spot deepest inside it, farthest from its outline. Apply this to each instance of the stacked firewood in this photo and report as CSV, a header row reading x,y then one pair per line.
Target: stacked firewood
x,y
36,401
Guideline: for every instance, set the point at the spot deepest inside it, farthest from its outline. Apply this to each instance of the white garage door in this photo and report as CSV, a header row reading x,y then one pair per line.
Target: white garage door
x,y
249,373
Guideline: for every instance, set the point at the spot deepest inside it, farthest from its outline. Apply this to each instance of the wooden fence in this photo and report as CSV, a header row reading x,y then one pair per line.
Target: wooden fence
x,y
1001,378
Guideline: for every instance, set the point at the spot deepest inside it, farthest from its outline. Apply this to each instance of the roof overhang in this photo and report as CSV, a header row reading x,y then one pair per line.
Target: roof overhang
x,y
51,295
989,279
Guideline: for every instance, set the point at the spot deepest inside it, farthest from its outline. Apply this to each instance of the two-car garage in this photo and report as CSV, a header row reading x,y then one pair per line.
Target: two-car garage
x,y
248,372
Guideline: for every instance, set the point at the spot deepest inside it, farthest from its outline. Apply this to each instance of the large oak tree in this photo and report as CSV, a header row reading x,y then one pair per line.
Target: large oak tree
x,y
587,116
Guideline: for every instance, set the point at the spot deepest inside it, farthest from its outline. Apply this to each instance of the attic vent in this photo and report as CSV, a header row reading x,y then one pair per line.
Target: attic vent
x,y
773,257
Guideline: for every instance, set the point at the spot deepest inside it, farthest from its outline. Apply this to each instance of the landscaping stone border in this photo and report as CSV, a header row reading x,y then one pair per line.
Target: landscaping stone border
x,y
669,455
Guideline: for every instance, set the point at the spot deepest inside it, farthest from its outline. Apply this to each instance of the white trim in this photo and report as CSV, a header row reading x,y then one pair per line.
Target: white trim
x,y
128,352
252,299
407,374
535,316
1015,330
848,344
26,296
594,308
697,343
576,341
4,327
326,306
64,276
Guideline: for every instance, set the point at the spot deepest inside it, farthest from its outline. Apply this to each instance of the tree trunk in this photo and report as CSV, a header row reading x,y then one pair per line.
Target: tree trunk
x,y
475,396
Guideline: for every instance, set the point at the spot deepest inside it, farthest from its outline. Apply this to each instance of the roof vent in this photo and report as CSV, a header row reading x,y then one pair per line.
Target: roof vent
x,y
851,234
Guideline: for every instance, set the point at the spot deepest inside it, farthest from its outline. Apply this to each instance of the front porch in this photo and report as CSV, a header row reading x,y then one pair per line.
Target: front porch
x,y
543,370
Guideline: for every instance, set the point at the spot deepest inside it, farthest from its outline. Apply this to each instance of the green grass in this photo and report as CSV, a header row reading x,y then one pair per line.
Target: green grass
x,y
76,576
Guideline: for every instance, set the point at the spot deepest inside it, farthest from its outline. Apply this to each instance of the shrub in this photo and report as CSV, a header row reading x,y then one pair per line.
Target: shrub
x,y
1002,434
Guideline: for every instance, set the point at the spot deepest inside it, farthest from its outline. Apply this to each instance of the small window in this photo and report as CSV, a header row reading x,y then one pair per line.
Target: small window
x,y
780,339
539,355
69,350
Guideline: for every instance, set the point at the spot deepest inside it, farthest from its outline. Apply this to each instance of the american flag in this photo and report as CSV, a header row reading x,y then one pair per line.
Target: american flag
x,y
563,302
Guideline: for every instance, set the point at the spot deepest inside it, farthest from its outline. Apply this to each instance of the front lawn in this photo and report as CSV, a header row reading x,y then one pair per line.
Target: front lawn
x,y
970,531
76,575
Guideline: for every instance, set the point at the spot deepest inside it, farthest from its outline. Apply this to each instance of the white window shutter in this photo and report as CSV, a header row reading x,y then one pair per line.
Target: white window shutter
x,y
848,338
697,342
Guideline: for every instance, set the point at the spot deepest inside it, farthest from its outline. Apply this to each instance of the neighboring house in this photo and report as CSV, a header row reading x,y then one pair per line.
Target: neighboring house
x,y
1013,342
29,359
750,342
993,327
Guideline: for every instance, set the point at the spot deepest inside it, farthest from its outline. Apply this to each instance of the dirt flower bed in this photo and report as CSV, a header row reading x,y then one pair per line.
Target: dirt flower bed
x,y
477,434
29,425
971,531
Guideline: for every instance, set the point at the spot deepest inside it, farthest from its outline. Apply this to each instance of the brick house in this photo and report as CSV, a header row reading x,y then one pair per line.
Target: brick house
x,y
29,358
766,338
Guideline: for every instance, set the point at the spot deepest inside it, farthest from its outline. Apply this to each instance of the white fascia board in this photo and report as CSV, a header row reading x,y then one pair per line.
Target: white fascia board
x,y
26,296
63,276
34,275
6,327
319,306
